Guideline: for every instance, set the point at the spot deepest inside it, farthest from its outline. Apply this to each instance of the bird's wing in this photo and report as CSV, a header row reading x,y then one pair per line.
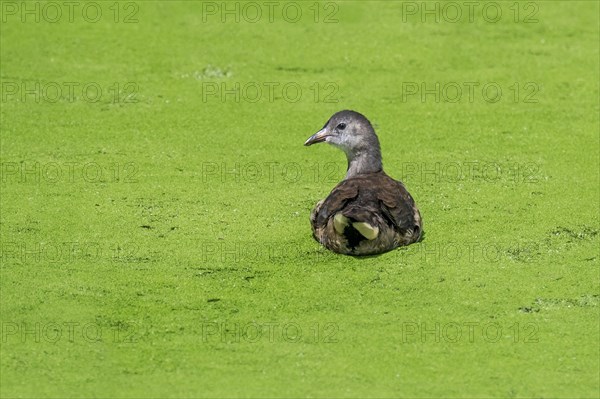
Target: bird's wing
x,y
367,198
339,197
397,204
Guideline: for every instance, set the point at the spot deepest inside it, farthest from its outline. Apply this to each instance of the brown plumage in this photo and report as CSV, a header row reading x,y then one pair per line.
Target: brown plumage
x,y
368,212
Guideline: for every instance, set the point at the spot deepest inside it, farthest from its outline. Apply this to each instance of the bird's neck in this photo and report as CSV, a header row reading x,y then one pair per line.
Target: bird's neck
x,y
364,162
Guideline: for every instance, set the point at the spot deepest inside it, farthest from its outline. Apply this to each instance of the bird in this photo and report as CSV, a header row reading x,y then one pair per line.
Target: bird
x,y
368,212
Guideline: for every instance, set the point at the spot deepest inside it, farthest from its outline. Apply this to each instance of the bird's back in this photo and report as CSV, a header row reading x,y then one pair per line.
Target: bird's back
x,y
376,199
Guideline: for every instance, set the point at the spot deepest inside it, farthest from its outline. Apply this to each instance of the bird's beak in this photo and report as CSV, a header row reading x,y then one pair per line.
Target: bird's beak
x,y
318,137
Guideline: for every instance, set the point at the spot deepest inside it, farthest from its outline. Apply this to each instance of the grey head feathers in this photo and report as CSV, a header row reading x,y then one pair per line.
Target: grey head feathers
x,y
352,132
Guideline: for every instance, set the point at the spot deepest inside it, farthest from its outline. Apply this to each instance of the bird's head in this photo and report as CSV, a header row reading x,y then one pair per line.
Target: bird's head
x,y
349,131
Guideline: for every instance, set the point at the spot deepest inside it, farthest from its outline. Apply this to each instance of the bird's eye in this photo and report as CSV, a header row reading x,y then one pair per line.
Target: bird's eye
x,y
341,126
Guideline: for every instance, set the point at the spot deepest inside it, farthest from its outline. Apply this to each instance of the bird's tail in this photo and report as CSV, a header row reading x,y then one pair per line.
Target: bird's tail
x,y
362,220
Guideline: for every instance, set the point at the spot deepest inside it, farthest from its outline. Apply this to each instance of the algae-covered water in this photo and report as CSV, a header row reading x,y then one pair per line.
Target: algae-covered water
x,y
155,196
